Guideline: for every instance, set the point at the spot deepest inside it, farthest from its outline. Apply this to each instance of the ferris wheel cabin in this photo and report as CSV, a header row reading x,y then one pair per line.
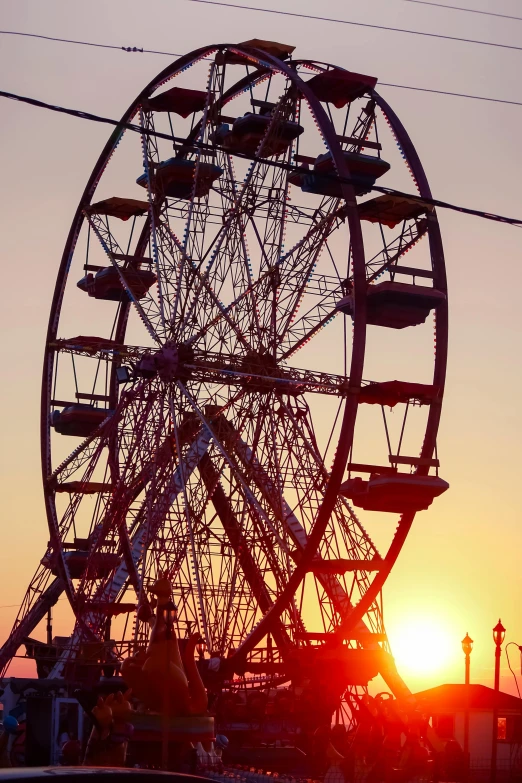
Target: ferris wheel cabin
x,y
395,493
395,305
248,132
107,284
79,419
176,178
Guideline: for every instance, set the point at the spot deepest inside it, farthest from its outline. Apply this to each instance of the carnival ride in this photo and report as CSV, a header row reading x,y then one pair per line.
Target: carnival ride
x,y
250,321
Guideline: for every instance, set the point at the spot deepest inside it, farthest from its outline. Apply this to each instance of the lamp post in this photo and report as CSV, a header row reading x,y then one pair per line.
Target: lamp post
x,y
467,647
499,633
169,612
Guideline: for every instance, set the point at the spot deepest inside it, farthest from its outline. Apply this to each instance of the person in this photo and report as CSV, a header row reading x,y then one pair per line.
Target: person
x,y
9,727
62,738
221,745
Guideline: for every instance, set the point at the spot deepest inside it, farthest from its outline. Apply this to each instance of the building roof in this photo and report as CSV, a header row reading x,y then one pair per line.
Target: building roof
x,y
452,698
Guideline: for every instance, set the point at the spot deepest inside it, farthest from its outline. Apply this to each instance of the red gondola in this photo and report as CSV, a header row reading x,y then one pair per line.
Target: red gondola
x,y
122,208
175,178
397,493
248,132
179,100
79,419
106,283
364,171
396,305
392,210
340,87
389,393
99,565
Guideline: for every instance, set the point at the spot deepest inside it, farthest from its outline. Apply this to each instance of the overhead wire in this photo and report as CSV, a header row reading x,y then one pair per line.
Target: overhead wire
x,y
509,664
276,164
12,606
467,10
455,94
135,49
357,24
132,49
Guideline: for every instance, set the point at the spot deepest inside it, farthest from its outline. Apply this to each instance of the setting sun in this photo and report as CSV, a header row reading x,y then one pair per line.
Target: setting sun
x,y
421,645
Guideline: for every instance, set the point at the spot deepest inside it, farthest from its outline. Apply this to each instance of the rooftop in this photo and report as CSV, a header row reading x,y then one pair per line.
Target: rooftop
x,y
452,698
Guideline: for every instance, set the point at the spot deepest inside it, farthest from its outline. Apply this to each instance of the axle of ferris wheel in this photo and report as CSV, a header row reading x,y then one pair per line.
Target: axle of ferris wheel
x,y
256,371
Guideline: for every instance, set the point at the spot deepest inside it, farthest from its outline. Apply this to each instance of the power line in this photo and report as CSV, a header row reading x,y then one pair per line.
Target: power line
x,y
509,664
455,94
468,10
276,164
11,606
134,49
357,24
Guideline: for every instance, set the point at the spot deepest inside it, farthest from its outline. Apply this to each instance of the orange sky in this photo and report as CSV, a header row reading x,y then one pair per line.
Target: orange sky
x,y
461,561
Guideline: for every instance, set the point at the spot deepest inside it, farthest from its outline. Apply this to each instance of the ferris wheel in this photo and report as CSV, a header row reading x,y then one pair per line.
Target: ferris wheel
x,y
241,389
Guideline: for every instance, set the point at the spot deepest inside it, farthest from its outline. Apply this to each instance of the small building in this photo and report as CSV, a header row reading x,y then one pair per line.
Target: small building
x,y
446,707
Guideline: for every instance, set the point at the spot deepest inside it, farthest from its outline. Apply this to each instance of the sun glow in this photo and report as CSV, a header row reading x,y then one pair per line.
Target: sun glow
x,y
421,645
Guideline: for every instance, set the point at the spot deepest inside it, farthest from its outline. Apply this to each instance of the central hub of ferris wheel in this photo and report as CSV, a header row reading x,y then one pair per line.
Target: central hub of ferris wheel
x,y
165,363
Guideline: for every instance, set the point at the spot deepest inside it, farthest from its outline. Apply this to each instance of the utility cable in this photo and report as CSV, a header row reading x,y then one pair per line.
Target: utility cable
x,y
276,164
357,24
134,49
509,664
455,94
467,10
11,606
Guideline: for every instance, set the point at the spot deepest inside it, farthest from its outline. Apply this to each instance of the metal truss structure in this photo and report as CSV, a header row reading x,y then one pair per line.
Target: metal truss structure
x,y
216,458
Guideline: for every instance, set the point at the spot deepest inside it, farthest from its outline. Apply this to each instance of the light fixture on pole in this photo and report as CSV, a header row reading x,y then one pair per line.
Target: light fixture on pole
x,y
467,647
170,613
499,633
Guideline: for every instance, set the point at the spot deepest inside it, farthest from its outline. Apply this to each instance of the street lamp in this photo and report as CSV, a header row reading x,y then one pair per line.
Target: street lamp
x,y
467,647
499,633
170,613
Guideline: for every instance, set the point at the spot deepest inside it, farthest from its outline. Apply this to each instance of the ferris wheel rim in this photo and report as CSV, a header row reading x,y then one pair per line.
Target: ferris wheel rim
x,y
169,72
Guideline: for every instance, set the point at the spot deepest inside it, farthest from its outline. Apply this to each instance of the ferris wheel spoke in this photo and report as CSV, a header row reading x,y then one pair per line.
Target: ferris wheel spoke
x,y
248,195
148,311
230,252
131,477
207,301
234,259
191,515
43,593
249,496
301,331
238,543
303,440
296,267
149,522
83,461
146,121
387,258
309,462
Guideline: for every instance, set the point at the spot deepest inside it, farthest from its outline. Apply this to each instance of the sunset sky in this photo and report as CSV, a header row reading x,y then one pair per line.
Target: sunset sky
x,y
460,568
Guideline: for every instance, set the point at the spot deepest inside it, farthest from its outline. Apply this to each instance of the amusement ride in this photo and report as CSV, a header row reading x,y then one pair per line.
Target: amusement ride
x,y
242,384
